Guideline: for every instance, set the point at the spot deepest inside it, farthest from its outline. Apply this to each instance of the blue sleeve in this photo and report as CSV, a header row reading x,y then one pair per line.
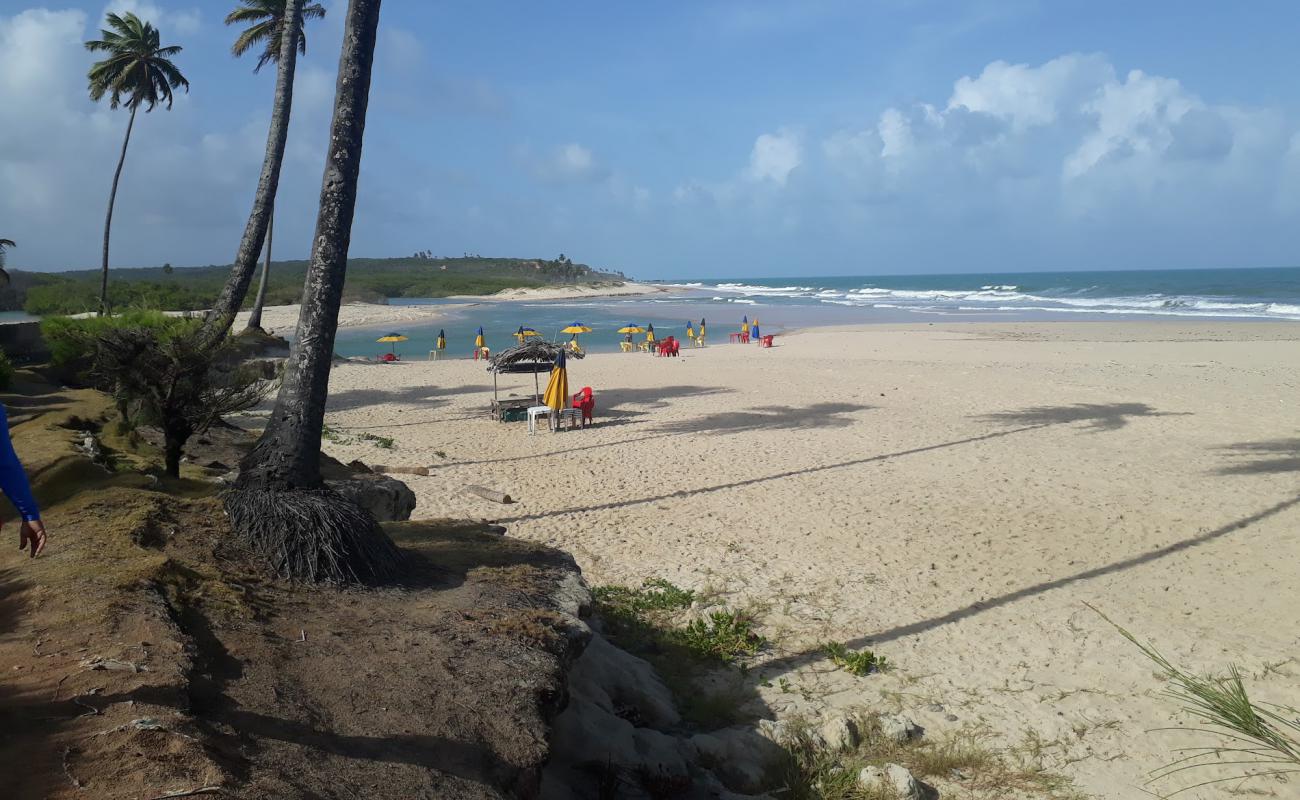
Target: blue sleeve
x,y
13,479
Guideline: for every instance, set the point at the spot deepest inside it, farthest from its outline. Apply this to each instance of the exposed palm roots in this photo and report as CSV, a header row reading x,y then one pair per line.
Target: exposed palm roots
x,y
314,536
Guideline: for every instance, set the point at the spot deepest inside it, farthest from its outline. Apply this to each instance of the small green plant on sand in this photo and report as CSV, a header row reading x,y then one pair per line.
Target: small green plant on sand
x,y
727,636
855,662
1262,739
338,437
383,442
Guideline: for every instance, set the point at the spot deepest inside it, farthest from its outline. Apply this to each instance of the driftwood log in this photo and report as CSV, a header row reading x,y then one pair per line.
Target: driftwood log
x,y
387,470
489,494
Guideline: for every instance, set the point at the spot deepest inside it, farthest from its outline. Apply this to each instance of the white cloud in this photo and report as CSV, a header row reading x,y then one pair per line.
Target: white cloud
x,y
775,156
568,163
1133,118
169,23
1029,96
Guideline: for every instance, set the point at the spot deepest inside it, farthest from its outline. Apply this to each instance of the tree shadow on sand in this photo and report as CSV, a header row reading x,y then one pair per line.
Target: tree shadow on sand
x,y
1110,417
1263,458
817,415
427,396
921,626
1099,416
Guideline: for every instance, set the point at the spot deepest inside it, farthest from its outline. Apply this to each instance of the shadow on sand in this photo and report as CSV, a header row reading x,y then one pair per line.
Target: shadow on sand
x,y
1263,458
1101,418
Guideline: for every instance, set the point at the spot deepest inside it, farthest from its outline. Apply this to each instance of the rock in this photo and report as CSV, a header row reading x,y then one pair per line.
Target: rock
x,y
899,728
615,679
892,778
951,717
740,756
775,730
384,496
588,739
840,733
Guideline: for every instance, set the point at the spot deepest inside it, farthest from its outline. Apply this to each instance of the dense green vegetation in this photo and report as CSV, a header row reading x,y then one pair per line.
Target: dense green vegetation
x,y
70,340
369,279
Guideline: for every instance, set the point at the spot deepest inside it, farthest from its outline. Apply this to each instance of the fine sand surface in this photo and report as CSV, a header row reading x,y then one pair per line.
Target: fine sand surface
x,y
951,495
283,319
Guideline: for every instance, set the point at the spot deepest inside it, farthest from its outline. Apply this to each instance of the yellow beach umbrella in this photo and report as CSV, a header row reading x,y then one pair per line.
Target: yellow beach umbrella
x,y
557,389
631,329
650,334
441,344
478,340
575,329
392,338
690,331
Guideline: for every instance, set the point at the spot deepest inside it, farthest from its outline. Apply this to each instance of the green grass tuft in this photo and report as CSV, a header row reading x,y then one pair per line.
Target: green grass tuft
x,y
855,662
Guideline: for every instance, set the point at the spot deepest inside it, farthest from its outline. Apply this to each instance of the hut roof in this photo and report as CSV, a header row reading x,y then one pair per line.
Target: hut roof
x,y
533,354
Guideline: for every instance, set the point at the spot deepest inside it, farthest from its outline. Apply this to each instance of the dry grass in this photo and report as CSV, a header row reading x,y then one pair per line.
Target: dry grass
x,y
964,764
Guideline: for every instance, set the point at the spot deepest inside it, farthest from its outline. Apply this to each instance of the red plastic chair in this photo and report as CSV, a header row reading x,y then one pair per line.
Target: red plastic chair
x,y
586,402
676,348
767,340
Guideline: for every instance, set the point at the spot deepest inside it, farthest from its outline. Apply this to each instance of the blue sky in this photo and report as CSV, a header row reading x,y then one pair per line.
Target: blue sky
x,y
684,139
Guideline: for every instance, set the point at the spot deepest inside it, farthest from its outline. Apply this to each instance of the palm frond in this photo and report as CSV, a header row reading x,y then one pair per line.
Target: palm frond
x,y
138,71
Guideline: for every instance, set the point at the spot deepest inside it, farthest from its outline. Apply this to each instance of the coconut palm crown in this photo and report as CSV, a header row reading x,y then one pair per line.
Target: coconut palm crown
x,y
138,71
267,18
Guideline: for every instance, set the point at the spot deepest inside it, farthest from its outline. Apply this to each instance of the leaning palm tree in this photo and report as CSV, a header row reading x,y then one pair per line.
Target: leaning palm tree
x,y
282,40
138,72
280,502
266,28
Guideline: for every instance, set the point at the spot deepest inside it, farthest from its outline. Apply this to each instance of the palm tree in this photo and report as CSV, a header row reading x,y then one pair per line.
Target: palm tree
x,y
280,501
278,29
138,72
267,30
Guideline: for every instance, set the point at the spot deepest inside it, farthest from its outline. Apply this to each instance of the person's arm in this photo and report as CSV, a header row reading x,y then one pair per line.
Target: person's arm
x,y
13,482
13,479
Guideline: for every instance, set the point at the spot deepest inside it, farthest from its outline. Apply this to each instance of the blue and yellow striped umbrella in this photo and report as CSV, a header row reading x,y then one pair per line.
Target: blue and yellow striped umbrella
x,y
478,340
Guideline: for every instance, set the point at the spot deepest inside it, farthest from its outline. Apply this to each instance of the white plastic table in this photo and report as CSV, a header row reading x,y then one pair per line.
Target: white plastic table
x,y
533,413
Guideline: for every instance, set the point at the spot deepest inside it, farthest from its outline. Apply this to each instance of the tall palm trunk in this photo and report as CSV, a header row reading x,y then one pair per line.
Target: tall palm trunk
x,y
108,220
219,319
279,502
255,318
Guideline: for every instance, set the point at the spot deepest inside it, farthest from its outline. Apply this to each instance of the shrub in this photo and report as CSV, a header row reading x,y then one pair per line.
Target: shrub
x,y
71,340
163,377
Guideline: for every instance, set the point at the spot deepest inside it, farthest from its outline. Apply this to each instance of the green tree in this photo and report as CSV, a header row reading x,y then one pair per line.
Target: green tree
x,y
280,502
277,28
138,72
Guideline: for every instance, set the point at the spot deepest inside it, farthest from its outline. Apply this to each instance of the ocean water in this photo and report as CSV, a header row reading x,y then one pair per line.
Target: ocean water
x,y
781,304
1238,293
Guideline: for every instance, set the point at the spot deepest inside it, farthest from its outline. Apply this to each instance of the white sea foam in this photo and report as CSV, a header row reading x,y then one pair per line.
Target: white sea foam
x,y
1009,298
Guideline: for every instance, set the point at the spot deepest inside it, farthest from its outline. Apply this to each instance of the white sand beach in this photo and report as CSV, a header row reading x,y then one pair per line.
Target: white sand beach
x,y
624,289
949,495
